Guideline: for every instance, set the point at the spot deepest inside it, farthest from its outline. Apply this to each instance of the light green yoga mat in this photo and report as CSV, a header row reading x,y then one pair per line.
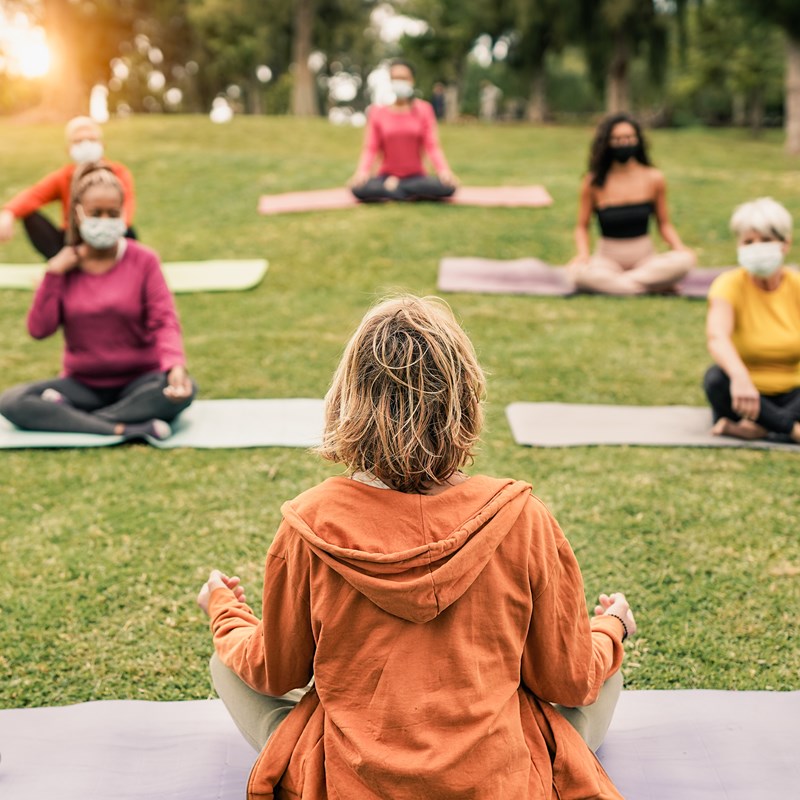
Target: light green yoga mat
x,y
182,276
206,424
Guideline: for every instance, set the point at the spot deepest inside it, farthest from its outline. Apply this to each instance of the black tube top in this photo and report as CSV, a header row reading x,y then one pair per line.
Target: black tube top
x,y
625,222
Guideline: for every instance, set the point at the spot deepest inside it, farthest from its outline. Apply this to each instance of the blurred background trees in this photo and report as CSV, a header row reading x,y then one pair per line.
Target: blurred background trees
x,y
673,62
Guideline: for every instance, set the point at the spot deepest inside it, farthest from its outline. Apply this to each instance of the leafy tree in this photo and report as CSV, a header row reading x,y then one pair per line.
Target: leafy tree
x,y
732,66
611,33
538,27
786,14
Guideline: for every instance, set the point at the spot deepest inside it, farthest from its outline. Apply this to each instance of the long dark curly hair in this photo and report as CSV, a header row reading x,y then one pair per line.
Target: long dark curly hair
x,y
600,158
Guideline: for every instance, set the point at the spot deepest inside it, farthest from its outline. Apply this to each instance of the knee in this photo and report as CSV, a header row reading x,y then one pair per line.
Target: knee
x,y
715,382
10,401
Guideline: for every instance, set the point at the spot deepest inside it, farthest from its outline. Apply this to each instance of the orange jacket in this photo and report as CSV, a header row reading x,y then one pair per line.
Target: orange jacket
x,y
438,629
56,186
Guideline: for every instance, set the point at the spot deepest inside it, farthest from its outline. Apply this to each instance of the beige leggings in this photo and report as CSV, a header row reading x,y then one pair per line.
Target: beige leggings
x,y
257,715
631,266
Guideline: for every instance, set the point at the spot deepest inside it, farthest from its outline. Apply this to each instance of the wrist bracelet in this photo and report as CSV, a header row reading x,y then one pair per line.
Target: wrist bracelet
x,y
624,626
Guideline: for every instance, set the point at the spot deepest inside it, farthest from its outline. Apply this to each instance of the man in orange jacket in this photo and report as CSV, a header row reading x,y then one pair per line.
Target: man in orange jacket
x,y
84,144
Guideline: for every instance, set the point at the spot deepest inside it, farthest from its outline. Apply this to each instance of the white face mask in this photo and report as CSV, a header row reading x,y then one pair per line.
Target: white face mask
x,y
86,151
102,232
403,90
761,259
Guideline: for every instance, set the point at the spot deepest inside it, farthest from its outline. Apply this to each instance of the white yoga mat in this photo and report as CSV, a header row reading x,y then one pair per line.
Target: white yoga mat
x,y
662,745
573,425
229,275
291,422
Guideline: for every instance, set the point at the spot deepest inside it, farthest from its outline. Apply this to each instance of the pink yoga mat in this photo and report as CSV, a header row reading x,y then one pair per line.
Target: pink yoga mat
x,y
325,199
532,276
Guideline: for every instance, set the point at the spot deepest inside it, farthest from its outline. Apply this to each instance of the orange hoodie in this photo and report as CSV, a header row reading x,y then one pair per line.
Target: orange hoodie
x,y
438,630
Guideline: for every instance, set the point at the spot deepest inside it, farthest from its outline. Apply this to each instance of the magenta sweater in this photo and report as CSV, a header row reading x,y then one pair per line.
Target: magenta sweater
x,y
401,138
117,325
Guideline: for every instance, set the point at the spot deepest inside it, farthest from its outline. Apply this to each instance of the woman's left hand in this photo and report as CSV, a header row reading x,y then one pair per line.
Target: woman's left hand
x,y
179,385
217,580
447,178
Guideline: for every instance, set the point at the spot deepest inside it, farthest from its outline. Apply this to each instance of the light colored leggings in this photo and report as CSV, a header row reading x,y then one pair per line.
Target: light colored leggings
x,y
257,715
631,266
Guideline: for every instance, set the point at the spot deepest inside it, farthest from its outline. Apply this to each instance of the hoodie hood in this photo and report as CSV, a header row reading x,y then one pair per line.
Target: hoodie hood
x,y
411,555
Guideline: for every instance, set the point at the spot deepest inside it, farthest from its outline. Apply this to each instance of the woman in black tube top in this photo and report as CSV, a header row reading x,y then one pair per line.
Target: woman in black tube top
x,y
625,190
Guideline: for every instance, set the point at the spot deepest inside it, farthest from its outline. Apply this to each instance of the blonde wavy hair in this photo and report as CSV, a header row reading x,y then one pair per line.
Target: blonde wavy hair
x,y
86,177
406,401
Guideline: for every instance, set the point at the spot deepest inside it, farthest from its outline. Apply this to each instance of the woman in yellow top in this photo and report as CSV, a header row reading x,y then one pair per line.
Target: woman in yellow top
x,y
753,330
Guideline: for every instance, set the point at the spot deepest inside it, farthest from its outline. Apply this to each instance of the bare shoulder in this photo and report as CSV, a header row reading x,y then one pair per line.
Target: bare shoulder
x,y
656,177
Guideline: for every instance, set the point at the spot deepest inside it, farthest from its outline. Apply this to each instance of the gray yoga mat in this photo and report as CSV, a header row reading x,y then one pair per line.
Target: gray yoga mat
x,y
573,425
228,275
292,422
662,745
531,276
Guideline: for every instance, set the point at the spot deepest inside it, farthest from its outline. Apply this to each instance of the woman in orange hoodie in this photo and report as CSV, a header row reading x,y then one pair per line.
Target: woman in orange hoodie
x,y
424,633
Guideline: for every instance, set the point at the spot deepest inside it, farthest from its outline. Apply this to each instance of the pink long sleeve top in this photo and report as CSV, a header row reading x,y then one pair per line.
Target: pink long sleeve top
x,y
401,137
117,326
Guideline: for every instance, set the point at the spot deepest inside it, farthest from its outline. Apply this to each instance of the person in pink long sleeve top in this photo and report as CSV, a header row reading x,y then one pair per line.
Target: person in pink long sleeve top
x,y
124,368
401,134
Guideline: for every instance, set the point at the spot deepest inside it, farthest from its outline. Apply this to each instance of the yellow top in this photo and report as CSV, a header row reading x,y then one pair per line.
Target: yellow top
x,y
766,328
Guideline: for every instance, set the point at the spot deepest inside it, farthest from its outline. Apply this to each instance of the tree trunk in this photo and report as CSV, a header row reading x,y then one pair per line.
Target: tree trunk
x,y
792,104
617,79
451,103
757,111
739,109
304,87
538,110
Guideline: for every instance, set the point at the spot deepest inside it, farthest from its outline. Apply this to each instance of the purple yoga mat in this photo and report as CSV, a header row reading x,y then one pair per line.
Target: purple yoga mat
x,y
662,745
532,276
326,199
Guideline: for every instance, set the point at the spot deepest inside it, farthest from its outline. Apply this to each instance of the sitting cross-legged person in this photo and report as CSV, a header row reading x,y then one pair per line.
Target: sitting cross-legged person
x,y
753,330
124,369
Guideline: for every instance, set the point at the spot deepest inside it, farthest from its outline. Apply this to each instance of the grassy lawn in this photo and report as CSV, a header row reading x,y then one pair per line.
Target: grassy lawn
x,y
104,550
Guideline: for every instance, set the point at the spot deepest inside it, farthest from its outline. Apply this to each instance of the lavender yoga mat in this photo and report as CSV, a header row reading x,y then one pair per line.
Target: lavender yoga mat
x,y
573,425
328,199
662,745
531,276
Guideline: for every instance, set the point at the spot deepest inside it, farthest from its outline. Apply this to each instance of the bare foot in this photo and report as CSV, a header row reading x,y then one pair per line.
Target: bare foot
x,y
743,429
391,183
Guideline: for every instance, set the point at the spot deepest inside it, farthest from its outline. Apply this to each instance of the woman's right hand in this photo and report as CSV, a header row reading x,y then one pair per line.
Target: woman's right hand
x,y
745,398
359,179
62,262
616,604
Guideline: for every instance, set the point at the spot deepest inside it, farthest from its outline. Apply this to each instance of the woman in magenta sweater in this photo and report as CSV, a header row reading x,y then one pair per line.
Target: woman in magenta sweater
x,y
401,133
124,369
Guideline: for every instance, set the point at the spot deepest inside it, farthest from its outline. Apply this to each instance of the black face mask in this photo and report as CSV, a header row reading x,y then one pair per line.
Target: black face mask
x,y
625,153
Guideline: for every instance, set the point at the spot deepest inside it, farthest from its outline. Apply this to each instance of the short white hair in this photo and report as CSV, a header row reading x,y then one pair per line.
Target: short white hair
x,y
764,216
76,123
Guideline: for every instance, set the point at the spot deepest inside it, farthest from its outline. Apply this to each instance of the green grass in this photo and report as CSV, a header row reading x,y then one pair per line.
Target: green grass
x,y
103,550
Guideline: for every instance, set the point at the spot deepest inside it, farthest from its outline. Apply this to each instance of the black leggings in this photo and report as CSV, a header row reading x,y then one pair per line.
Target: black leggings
x,y
48,239
414,187
89,410
777,412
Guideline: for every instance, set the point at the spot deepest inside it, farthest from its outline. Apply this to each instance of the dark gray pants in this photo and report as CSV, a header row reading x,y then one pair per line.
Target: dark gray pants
x,y
778,412
414,187
90,410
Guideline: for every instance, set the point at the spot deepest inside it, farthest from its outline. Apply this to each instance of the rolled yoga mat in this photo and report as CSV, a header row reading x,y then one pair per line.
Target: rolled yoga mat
x,y
329,199
531,276
662,745
226,275
573,425
206,424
